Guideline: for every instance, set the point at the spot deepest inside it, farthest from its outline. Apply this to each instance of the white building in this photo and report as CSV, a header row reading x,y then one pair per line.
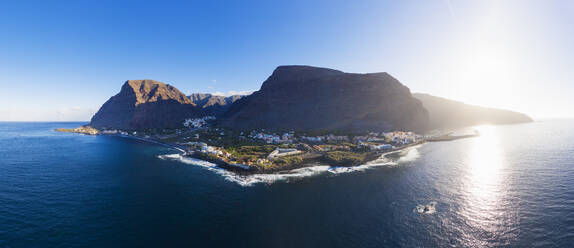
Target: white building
x,y
280,152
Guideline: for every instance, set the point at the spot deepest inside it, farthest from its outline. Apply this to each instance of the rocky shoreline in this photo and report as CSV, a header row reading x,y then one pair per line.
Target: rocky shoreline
x,y
309,160
81,130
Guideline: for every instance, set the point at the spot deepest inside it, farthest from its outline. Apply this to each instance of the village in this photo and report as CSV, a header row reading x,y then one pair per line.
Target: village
x,y
267,151
263,150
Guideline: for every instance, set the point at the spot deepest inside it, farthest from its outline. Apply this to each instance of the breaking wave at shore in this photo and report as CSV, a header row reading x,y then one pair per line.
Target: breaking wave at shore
x,y
407,155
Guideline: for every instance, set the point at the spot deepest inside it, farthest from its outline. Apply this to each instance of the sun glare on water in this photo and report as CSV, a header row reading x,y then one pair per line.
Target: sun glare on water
x,y
485,161
485,185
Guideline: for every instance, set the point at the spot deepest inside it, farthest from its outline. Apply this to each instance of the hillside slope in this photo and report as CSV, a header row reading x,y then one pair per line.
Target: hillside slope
x,y
213,104
445,113
143,104
305,98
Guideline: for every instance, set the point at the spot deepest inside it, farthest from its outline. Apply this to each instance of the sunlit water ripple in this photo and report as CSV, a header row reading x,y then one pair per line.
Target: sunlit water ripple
x,y
511,187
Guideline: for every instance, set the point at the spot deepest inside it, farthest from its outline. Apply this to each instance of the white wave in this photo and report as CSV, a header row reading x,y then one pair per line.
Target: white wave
x,y
248,180
426,209
410,154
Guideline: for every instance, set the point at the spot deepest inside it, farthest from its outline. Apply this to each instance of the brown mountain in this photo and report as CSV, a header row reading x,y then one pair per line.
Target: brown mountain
x,y
446,113
305,98
143,104
213,104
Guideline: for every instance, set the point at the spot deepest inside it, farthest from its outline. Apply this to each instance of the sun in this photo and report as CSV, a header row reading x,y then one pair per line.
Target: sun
x,y
487,77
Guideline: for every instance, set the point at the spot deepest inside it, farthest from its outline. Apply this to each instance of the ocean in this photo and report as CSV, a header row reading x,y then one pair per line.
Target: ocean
x,y
511,187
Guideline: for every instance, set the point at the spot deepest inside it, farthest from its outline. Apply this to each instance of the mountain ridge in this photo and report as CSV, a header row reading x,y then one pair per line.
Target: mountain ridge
x,y
314,98
143,104
213,104
446,113
298,98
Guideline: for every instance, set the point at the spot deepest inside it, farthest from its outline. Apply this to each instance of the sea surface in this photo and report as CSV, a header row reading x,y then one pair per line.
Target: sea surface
x,y
511,187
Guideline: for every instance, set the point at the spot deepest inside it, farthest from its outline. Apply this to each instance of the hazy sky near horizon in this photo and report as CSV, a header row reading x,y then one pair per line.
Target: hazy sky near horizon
x,y
60,60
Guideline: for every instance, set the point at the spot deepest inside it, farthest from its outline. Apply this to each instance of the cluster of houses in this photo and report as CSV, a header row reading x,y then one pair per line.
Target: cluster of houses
x,y
400,137
286,138
330,142
289,138
376,146
386,140
197,122
325,138
374,141
397,137
205,148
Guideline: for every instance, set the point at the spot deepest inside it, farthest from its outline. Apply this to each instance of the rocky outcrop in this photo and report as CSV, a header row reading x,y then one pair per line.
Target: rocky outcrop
x,y
144,104
82,130
213,104
445,113
305,98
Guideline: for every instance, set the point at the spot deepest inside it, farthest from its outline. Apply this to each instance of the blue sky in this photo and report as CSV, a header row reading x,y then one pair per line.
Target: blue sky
x,y
60,60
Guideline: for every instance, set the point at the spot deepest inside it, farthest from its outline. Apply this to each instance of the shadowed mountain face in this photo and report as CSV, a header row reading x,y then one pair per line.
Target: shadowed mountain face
x,y
298,98
213,104
304,98
143,104
446,113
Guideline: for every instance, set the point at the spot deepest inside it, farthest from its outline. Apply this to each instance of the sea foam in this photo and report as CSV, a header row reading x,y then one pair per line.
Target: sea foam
x,y
407,155
426,209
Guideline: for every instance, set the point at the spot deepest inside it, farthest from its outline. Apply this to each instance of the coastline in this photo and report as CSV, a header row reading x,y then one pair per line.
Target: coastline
x,y
313,159
310,160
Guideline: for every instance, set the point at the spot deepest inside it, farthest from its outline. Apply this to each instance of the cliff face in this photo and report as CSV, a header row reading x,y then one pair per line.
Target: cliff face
x,y
213,104
143,104
304,98
446,113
